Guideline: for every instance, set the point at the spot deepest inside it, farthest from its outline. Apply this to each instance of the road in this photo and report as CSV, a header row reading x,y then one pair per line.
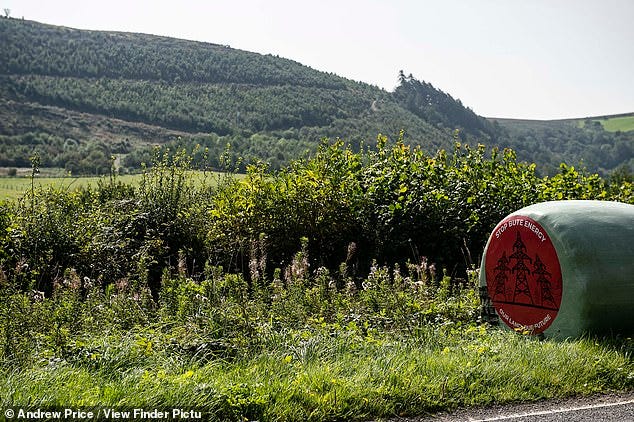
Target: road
x,y
607,407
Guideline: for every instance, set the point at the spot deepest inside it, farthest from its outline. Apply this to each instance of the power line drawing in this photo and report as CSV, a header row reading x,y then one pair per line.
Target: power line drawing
x,y
501,277
543,282
521,271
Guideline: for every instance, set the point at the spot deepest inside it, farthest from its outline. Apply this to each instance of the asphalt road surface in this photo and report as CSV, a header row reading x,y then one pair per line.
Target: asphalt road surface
x,y
606,407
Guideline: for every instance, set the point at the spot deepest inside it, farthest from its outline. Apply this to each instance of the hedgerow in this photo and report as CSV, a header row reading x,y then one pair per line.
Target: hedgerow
x,y
392,204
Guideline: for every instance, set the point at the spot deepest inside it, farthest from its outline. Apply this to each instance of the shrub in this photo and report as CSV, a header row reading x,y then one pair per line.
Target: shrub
x,y
342,209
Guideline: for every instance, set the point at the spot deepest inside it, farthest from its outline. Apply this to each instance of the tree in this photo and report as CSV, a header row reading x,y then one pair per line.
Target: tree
x,y
7,13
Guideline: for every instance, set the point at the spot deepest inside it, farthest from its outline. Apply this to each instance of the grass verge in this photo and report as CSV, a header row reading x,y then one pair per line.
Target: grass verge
x,y
318,370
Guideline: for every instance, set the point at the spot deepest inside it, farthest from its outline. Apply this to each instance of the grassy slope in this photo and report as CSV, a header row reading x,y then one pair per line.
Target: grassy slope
x,y
614,124
20,117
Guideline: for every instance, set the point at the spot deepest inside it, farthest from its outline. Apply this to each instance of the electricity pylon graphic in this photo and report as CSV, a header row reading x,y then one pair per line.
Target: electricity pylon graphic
x,y
500,276
520,270
544,283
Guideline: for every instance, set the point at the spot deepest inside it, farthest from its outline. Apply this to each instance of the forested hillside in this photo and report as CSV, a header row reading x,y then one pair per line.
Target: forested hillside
x,y
79,97
549,143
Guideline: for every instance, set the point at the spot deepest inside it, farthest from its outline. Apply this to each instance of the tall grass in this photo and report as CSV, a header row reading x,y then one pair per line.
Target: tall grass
x,y
344,375
217,347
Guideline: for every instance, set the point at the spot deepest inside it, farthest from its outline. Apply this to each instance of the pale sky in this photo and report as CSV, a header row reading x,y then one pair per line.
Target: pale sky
x,y
536,59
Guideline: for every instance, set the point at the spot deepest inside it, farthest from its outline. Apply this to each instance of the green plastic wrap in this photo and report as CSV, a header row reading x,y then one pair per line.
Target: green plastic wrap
x,y
563,268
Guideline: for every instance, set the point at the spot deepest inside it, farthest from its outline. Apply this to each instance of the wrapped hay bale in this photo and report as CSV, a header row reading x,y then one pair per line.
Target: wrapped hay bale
x,y
563,268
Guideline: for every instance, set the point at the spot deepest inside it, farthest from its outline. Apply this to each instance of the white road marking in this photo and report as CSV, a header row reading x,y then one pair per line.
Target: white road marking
x,y
550,412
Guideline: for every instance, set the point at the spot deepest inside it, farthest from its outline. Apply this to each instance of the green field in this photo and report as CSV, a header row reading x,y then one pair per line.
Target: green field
x,y
16,187
613,124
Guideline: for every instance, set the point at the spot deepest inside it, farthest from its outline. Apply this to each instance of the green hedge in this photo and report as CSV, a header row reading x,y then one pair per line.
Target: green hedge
x,y
343,209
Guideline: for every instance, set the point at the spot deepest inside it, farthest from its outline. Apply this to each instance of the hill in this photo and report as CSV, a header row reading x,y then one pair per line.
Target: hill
x,y
585,141
78,97
176,88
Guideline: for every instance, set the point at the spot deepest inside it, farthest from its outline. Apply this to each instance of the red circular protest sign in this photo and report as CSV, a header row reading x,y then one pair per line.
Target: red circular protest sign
x,y
523,274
